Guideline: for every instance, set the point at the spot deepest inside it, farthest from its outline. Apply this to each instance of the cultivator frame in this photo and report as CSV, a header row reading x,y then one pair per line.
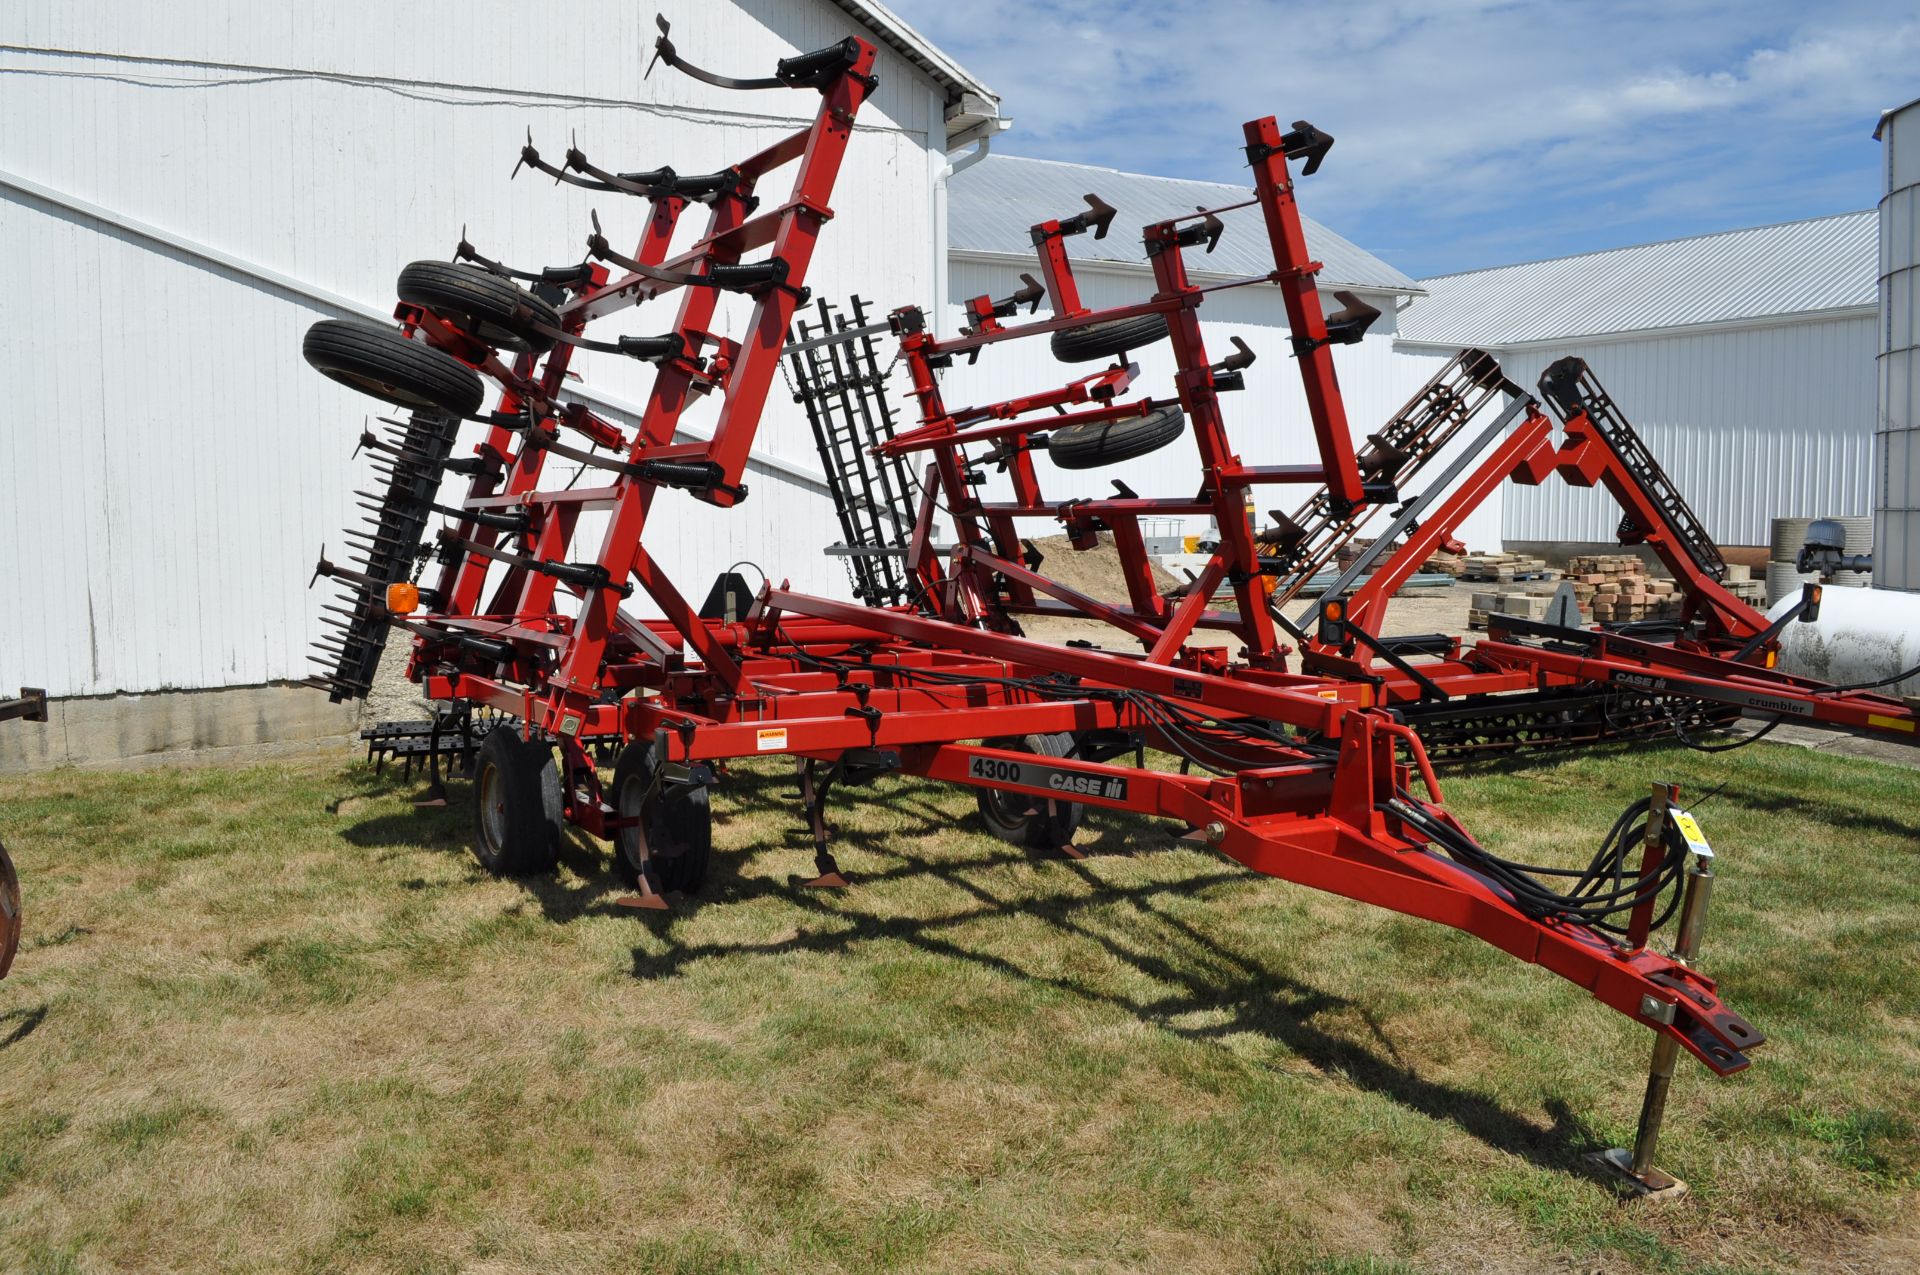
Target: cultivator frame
x,y
1315,773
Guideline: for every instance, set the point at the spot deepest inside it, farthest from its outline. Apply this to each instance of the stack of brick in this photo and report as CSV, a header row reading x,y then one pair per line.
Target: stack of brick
x,y
1439,561
1344,556
1529,601
1611,588
1615,587
1506,567
1741,584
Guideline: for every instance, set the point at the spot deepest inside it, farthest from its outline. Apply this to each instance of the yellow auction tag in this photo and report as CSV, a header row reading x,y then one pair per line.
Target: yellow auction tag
x,y
1689,828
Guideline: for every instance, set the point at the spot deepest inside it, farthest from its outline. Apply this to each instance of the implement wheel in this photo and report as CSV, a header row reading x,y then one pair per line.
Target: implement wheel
x,y
381,362
479,303
674,835
517,810
9,912
1038,823
1100,443
1105,340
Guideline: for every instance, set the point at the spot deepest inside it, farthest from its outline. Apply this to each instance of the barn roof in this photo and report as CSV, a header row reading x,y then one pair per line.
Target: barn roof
x,y
990,206
1796,267
970,103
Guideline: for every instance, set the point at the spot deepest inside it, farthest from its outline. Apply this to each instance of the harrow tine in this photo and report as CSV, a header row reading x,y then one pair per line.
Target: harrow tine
x,y
662,47
325,568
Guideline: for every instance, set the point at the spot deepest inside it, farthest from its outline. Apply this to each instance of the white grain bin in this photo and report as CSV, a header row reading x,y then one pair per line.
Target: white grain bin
x,y
1896,505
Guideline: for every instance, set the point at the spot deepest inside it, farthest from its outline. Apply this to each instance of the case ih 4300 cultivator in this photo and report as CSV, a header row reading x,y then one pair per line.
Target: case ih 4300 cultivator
x,y
1306,757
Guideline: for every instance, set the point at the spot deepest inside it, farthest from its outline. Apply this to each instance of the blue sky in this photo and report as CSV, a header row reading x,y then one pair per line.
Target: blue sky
x,y
1470,132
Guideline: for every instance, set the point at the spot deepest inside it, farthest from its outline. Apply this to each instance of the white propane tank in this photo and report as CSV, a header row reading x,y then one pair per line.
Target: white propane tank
x,y
1862,635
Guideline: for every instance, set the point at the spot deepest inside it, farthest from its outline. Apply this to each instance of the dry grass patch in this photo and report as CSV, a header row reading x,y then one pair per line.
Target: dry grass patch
x,y
273,1019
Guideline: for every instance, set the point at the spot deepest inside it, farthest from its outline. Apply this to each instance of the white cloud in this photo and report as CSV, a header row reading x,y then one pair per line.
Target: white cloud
x,y
1514,127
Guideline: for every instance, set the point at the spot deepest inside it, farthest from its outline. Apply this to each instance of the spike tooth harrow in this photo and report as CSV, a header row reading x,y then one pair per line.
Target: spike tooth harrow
x,y
1310,772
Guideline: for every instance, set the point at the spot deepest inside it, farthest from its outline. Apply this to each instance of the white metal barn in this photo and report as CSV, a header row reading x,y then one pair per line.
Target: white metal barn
x,y
184,189
992,204
1746,358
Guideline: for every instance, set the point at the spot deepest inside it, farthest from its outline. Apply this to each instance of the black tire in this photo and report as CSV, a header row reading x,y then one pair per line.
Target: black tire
x,y
479,303
1109,442
1038,823
381,362
1105,340
675,833
9,912
517,810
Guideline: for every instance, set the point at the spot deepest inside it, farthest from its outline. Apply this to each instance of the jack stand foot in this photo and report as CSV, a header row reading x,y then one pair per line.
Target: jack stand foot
x,y
435,798
1071,851
829,877
645,902
1654,1185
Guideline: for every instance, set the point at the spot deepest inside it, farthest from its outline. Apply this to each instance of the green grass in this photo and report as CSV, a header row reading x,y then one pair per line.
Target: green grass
x,y
274,1019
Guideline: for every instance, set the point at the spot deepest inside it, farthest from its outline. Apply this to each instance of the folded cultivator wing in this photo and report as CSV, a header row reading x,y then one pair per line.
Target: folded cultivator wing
x,y
1304,752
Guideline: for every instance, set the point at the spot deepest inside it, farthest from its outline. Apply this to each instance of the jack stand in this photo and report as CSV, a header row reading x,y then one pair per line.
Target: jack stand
x,y
1634,1169
813,792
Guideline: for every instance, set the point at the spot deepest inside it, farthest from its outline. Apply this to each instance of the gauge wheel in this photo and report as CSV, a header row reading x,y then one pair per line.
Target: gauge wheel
x,y
518,814
9,912
674,832
1108,339
1100,443
1039,823
383,363
480,303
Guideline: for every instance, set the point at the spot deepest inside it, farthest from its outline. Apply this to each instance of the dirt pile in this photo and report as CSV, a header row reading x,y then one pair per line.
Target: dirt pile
x,y
1094,572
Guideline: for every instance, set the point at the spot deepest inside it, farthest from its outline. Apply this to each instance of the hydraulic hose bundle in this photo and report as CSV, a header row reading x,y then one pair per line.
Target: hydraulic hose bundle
x,y
1609,886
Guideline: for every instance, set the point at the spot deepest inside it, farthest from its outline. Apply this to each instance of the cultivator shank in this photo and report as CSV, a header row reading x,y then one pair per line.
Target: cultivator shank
x,y
1309,760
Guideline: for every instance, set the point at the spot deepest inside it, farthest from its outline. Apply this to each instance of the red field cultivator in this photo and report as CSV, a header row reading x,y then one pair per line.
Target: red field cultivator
x,y
1306,753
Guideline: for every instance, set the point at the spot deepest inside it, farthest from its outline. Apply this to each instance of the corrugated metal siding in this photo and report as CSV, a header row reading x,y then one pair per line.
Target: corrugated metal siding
x,y
1267,421
175,464
993,204
1796,268
588,49
1752,424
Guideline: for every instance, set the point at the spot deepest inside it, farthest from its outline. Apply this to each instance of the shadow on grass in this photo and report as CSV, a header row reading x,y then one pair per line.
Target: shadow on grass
x,y
24,1022
1236,995
1824,808
1824,811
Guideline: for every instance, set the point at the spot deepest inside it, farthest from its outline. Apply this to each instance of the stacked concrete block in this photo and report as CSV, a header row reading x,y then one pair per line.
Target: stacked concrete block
x,y
1506,567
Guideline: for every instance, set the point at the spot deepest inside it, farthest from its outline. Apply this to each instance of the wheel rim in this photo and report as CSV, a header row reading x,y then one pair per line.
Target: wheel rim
x,y
503,338
493,808
1009,809
631,802
386,390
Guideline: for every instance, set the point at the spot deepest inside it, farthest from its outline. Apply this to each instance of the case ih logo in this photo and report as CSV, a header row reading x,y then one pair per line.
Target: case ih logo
x,y
1109,787
1751,700
1088,785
